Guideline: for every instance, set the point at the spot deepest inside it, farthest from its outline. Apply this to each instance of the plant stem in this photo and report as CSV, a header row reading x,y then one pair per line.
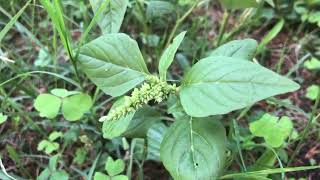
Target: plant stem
x,y
179,21
306,129
225,19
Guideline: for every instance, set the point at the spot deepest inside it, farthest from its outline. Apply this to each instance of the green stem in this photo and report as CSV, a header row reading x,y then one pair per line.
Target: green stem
x,y
179,22
306,129
222,30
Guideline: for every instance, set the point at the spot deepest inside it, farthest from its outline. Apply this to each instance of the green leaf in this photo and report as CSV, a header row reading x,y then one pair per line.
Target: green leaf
x,y
81,155
111,19
48,105
271,35
242,49
59,175
155,136
219,85
75,106
168,55
135,124
55,135
100,176
44,175
114,63
312,92
53,162
62,93
47,146
312,64
114,167
157,9
3,118
194,149
120,177
273,130
235,4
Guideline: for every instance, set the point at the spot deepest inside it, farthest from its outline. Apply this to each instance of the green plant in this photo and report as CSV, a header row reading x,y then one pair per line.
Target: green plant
x,y
52,172
113,168
49,146
274,130
194,146
73,104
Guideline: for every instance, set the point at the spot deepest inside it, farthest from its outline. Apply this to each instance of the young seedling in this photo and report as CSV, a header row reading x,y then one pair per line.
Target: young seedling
x,y
113,168
72,103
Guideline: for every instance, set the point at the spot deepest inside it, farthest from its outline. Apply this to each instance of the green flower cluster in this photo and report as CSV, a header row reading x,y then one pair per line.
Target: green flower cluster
x,y
152,89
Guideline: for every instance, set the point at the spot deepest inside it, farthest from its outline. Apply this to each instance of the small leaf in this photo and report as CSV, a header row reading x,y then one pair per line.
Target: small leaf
x,y
3,118
114,63
48,105
273,130
100,176
47,146
114,167
62,93
111,19
168,55
81,155
312,64
312,92
194,149
271,35
219,85
135,124
242,49
55,135
235,4
75,106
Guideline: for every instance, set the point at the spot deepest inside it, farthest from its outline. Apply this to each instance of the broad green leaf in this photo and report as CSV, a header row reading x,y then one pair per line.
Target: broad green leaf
x,y
155,136
236,4
55,135
312,92
114,63
274,130
135,124
194,149
48,105
100,176
114,167
312,64
63,92
111,19
271,35
75,106
219,85
157,9
242,49
3,118
168,55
